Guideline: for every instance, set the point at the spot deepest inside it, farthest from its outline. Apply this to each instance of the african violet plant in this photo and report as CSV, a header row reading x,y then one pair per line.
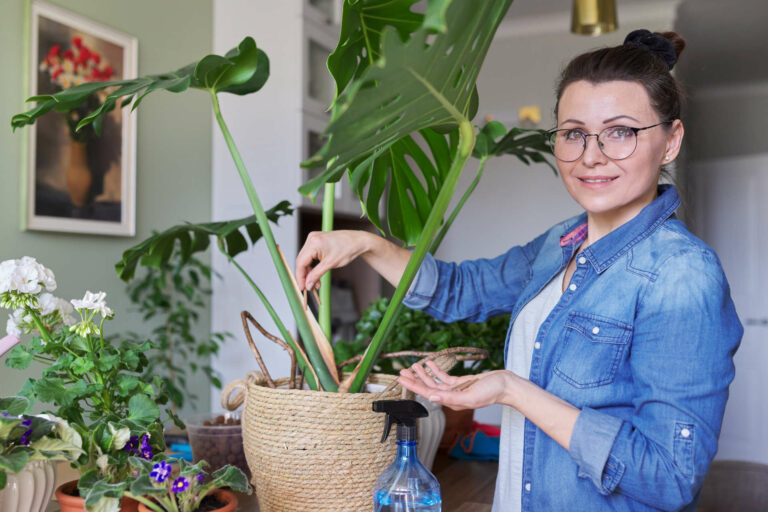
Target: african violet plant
x,y
106,410
25,438
161,489
400,76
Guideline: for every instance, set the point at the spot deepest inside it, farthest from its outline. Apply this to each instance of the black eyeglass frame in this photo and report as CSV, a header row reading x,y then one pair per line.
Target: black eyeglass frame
x,y
584,136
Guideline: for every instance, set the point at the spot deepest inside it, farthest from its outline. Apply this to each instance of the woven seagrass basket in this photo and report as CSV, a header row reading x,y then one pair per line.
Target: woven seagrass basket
x,y
314,450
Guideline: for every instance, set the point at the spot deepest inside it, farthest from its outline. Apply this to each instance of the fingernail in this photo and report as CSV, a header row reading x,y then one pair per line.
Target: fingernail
x,y
434,398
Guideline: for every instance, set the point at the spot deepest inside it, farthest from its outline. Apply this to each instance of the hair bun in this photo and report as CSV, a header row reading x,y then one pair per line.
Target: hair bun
x,y
657,44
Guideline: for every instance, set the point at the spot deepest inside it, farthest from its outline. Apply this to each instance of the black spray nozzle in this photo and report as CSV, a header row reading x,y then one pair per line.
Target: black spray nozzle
x,y
402,412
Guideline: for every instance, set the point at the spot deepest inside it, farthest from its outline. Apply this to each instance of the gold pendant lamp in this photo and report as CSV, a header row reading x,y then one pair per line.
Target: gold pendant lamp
x,y
593,17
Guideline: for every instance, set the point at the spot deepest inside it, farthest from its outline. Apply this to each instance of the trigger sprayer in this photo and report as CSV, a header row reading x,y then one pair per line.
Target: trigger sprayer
x,y
406,485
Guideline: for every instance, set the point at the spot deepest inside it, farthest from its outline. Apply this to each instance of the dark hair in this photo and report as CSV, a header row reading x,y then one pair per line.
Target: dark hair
x,y
645,57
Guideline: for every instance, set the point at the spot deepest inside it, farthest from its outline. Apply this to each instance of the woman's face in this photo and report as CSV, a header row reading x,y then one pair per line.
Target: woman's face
x,y
615,190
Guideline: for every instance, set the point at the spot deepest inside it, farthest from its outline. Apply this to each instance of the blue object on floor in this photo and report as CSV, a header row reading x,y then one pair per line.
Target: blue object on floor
x,y
480,444
181,451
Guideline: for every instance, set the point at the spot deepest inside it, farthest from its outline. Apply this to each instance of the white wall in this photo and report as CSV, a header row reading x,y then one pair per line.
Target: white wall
x,y
267,129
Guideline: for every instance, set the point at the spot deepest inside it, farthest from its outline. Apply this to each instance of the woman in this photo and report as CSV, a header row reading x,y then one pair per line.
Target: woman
x,y
619,353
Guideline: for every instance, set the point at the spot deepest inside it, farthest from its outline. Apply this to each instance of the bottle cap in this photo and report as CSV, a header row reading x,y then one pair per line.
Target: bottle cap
x,y
404,414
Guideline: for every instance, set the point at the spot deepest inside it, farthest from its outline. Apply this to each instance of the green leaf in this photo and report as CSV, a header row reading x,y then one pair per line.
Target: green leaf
x,y
14,405
81,365
157,250
143,486
14,461
19,358
243,70
101,490
233,477
413,86
55,390
3,480
142,409
362,24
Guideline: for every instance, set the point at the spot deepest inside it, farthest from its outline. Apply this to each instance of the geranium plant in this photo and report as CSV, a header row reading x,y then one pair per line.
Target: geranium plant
x,y
161,489
401,77
25,438
92,383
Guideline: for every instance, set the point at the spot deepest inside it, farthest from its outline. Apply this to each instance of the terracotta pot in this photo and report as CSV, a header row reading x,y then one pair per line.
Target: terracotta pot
x,y
457,424
70,503
30,489
223,496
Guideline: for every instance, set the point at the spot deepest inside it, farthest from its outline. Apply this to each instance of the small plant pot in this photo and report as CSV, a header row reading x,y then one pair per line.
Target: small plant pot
x,y
226,497
216,442
69,502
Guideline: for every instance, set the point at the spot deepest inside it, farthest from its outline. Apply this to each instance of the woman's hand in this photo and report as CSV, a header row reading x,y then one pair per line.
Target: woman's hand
x,y
468,392
334,249
331,249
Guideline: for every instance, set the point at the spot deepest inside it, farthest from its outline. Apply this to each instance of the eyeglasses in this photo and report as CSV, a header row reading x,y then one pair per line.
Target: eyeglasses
x,y
616,142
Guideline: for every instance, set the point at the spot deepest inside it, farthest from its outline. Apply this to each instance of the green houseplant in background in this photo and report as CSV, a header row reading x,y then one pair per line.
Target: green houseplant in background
x,y
170,297
93,382
415,78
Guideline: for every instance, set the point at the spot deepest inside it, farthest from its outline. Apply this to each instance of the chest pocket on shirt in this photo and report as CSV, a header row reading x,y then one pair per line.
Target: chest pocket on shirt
x,y
592,348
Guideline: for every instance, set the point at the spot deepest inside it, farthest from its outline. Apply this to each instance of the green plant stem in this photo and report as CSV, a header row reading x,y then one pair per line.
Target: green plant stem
x,y
313,352
41,327
447,225
329,197
281,327
147,502
466,143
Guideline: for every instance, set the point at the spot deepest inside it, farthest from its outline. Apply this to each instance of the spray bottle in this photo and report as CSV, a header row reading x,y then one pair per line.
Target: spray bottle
x,y
406,485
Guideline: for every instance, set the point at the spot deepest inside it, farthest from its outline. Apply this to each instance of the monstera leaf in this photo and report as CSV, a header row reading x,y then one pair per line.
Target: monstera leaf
x,y
242,70
362,24
527,145
414,85
192,238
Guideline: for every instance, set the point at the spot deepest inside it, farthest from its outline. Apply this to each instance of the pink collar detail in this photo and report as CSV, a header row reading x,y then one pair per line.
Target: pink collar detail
x,y
575,236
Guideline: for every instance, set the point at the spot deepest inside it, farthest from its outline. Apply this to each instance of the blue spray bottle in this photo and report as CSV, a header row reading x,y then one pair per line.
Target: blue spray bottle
x,y
406,485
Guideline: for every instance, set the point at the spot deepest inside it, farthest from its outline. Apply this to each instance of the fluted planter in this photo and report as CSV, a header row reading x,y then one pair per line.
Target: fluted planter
x,y
31,489
431,431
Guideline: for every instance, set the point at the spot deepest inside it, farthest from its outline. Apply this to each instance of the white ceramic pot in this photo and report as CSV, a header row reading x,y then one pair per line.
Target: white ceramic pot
x,y
31,489
431,431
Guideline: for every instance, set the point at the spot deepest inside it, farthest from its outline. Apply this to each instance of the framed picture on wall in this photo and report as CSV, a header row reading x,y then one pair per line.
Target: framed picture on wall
x,y
79,181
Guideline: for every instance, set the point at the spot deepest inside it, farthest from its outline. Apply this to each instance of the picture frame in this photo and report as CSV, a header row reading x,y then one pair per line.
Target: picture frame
x,y
79,181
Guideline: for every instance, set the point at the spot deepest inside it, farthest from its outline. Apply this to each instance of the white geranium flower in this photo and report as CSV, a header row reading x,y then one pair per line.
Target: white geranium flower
x,y
119,436
21,280
12,327
94,302
55,310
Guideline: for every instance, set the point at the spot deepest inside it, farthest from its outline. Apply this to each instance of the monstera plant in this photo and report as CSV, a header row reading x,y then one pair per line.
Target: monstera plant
x,y
400,122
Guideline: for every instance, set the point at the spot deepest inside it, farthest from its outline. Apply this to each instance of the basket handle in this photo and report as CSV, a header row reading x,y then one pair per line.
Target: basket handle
x,y
239,387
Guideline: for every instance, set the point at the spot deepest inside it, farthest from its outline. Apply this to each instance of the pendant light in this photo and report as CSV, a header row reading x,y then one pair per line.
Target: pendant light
x,y
593,17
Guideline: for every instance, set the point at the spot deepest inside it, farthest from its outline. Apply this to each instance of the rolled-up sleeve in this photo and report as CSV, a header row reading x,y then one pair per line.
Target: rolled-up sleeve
x,y
472,290
686,332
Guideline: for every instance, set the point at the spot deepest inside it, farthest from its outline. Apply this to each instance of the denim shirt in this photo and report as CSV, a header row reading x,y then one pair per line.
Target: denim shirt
x,y
642,341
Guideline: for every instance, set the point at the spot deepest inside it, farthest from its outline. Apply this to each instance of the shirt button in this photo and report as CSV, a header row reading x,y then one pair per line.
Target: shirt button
x,y
537,345
572,287
685,432
528,487
582,260
595,330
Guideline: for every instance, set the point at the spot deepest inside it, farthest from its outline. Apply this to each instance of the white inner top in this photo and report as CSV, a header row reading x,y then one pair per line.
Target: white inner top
x,y
509,482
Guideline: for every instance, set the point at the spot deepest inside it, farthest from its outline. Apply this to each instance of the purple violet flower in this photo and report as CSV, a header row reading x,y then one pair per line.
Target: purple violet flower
x,y
160,472
181,484
200,477
145,450
27,422
132,445
6,415
24,439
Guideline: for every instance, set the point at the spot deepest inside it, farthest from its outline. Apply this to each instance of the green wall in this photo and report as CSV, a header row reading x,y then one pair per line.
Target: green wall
x,y
173,155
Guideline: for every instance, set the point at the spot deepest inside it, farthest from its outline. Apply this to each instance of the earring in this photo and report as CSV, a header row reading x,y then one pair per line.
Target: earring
x,y
666,158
